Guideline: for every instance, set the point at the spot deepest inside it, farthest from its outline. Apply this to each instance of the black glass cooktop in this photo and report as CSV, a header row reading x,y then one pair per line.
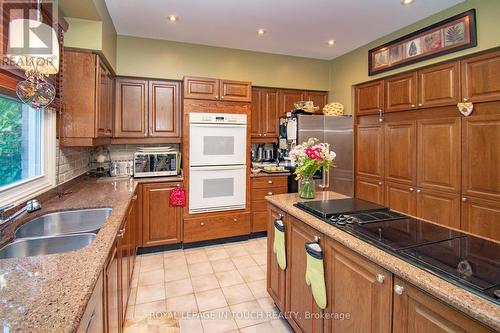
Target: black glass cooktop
x,y
403,233
470,260
328,208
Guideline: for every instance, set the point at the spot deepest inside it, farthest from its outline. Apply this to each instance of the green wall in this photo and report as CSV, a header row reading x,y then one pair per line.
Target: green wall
x,y
352,68
172,60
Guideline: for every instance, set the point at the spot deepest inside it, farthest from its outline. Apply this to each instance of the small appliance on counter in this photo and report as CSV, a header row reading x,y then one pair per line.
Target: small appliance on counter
x,y
156,162
121,169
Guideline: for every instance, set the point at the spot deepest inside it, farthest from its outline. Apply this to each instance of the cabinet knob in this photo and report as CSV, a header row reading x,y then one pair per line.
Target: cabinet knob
x,y
413,105
235,220
399,289
265,134
464,199
380,183
222,97
465,99
145,134
260,134
178,185
419,190
380,278
216,96
269,181
411,189
202,223
420,104
269,193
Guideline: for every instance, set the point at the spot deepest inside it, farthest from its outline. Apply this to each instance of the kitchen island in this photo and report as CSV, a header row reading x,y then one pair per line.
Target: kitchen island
x,y
367,288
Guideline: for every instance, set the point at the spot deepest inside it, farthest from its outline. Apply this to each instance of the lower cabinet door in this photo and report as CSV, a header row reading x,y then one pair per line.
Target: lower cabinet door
x,y
276,277
440,207
370,189
400,197
417,312
481,217
359,293
112,294
305,314
161,224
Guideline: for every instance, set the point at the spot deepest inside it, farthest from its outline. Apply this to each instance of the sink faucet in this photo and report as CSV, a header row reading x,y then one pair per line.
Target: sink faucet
x,y
31,206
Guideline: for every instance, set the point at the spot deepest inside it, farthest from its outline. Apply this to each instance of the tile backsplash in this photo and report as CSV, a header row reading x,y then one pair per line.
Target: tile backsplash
x,y
75,161
126,152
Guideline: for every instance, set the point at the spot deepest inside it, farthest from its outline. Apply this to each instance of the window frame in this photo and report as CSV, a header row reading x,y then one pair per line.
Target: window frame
x,y
26,189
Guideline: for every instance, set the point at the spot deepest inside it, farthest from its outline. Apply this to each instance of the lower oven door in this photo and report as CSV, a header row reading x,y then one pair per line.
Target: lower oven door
x,y
216,188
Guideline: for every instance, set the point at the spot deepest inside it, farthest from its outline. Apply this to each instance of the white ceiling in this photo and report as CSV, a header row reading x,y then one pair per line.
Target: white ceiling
x,y
294,27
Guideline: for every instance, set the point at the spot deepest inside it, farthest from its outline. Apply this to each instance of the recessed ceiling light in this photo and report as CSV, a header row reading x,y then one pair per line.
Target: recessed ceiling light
x,y
261,32
331,42
173,18
406,2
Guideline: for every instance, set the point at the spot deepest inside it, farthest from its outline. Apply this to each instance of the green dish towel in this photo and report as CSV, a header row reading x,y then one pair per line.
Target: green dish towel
x,y
279,243
315,273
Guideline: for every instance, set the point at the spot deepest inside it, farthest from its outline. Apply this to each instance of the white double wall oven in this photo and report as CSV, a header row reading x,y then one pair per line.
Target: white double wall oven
x,y
217,161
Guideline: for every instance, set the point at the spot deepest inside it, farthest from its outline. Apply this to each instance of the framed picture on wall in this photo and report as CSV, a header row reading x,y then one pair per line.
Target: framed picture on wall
x,y
450,35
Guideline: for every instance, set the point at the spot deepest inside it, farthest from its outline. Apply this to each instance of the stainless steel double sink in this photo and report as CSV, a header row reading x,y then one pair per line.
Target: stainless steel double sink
x,y
56,233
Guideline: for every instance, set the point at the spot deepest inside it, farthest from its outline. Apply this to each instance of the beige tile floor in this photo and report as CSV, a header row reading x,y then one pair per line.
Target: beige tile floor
x,y
213,289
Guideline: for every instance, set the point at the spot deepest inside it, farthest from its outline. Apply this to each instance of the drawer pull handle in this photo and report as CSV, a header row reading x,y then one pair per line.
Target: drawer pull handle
x,y
380,278
269,193
269,181
399,289
202,224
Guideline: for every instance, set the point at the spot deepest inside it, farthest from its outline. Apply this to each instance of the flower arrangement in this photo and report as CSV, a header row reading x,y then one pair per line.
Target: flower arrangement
x,y
309,157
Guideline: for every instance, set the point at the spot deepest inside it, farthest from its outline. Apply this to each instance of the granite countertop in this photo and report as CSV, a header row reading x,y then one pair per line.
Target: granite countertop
x,y
463,300
264,174
49,293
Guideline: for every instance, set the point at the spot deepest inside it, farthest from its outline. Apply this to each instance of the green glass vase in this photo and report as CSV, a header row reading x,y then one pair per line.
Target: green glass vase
x,y
306,188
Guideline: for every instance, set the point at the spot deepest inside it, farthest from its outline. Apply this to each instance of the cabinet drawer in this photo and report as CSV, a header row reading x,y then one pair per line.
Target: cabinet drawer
x,y
266,182
213,227
260,194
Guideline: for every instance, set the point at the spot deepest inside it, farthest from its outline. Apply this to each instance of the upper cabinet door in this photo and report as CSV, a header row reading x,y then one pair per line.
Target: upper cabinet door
x,y
236,91
481,160
318,97
370,189
400,152
103,100
271,116
287,100
439,154
201,88
481,78
401,92
164,109
131,108
257,113
370,98
369,151
439,85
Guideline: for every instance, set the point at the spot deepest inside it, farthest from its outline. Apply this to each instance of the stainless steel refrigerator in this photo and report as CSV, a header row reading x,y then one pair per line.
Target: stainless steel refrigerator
x,y
339,133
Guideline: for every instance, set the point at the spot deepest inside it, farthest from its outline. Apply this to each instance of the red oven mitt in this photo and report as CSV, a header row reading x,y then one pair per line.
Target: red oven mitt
x,y
177,197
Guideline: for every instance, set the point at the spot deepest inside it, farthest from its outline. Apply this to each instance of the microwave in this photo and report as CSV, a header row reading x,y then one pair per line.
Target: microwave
x,y
156,164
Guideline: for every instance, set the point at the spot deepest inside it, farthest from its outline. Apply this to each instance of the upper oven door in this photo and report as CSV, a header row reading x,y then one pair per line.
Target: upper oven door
x,y
217,144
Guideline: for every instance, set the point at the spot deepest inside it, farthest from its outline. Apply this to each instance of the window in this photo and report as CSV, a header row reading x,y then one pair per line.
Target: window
x,y
27,150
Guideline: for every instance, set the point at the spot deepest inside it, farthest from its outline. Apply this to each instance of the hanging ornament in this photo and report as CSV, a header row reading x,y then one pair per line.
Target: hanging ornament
x,y
465,108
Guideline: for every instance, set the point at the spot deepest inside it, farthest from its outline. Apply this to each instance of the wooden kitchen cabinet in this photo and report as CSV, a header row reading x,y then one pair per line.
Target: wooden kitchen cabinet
x,y
439,85
417,312
299,297
276,277
198,229
400,197
481,78
357,287
148,110
370,151
161,224
401,92
318,97
215,89
439,154
87,100
260,188
481,156
369,98
370,189
481,217
400,152
287,99
265,113
131,108
439,206
112,300
164,109
124,267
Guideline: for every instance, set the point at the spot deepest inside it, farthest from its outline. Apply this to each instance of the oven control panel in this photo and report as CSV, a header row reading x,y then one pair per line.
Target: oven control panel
x,y
217,118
